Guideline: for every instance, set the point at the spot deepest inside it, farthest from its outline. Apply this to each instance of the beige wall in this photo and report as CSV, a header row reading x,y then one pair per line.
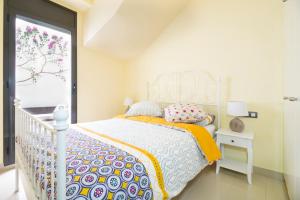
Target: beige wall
x,y
100,82
241,40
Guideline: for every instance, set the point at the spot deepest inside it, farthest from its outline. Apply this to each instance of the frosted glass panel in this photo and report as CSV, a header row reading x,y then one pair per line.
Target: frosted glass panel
x,y
43,65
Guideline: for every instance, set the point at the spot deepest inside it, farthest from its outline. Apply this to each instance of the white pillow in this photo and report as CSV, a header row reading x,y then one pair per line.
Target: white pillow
x,y
209,119
146,108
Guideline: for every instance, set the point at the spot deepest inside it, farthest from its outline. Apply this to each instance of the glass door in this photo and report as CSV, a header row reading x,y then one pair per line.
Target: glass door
x,y
40,63
42,66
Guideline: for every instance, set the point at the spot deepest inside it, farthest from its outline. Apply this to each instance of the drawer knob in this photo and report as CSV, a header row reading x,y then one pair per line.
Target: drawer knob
x,y
232,141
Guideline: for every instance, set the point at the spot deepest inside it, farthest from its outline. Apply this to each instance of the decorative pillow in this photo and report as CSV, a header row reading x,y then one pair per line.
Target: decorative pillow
x,y
187,113
146,108
209,119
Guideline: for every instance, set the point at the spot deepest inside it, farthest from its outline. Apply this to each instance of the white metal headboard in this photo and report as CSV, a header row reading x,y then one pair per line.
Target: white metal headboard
x,y
188,87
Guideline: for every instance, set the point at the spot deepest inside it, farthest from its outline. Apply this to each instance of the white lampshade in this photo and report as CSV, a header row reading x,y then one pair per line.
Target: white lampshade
x,y
237,108
127,101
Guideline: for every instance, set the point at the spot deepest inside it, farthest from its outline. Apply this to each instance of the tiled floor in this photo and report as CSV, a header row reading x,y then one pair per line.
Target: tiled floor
x,y
229,185
206,186
7,185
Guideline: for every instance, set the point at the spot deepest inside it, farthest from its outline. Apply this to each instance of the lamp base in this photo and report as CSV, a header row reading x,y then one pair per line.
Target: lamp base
x,y
127,108
237,125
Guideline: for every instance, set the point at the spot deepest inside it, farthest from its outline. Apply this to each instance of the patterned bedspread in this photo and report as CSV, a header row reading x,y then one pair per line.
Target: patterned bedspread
x,y
96,170
126,159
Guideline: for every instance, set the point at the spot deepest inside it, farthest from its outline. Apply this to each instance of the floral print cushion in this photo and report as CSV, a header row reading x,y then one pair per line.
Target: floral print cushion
x,y
186,113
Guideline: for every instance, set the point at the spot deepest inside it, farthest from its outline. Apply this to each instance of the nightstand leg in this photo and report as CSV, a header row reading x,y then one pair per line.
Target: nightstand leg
x,y
250,165
218,167
249,176
222,150
221,147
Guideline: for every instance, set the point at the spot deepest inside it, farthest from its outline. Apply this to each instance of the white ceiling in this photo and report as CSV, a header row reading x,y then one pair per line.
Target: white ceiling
x,y
125,28
79,5
130,26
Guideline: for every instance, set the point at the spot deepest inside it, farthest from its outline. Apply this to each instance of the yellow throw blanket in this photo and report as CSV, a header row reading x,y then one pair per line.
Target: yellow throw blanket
x,y
204,139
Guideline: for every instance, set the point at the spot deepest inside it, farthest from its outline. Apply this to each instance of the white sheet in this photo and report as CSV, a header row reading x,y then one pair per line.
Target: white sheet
x,y
177,152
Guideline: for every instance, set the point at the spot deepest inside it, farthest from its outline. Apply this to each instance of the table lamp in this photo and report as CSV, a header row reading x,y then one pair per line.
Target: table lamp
x,y
237,109
127,102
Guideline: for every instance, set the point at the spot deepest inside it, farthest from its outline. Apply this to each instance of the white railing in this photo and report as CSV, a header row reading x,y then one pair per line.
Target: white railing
x,y
41,151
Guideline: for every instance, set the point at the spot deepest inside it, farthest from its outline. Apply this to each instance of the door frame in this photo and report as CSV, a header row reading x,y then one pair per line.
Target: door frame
x,y
40,12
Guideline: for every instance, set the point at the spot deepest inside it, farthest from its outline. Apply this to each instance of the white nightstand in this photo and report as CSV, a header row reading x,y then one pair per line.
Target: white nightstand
x,y
243,140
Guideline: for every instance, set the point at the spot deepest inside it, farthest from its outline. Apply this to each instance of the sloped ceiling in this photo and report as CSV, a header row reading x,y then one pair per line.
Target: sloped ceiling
x,y
129,26
125,28
79,5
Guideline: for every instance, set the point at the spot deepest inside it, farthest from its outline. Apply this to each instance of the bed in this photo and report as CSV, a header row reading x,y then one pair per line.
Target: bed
x,y
123,157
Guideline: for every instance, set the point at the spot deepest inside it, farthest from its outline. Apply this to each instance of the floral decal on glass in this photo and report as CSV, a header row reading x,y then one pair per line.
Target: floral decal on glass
x,y
40,53
42,64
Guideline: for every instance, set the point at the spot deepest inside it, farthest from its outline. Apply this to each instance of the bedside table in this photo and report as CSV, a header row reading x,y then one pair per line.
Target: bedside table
x,y
242,140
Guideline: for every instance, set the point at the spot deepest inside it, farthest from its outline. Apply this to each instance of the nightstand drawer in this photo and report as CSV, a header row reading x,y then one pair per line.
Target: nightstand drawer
x,y
234,141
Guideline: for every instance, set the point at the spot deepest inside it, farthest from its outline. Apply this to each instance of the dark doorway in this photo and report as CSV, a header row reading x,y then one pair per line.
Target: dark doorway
x,y
27,20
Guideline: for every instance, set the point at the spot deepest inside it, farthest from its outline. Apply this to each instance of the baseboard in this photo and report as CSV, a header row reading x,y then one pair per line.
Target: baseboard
x,y
286,189
268,173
